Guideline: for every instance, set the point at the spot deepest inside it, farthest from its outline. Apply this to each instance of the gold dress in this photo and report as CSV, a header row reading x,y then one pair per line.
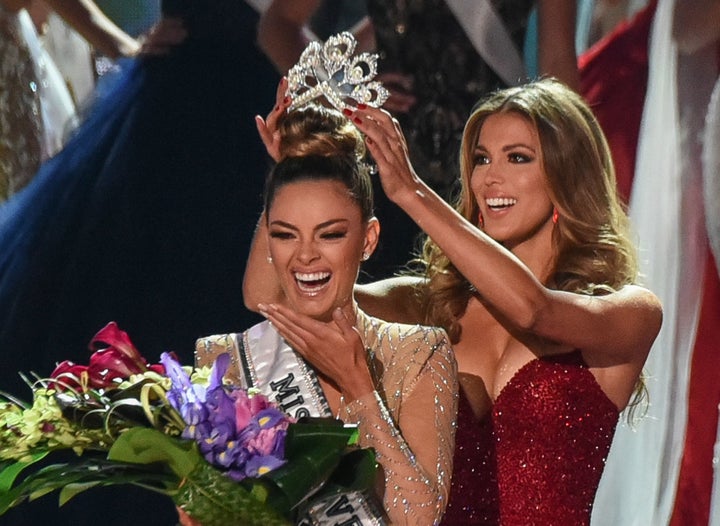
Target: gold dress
x,y
21,125
409,419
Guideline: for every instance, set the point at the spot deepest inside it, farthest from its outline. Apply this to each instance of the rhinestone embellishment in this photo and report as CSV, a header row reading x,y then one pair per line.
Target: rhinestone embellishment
x,y
331,71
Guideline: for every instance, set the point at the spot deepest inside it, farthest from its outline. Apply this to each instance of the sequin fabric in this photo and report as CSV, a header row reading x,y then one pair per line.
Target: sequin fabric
x,y
412,365
474,491
423,39
21,128
415,374
553,426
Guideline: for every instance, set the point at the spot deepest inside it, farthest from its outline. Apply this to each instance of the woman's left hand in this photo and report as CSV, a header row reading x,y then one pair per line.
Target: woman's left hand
x,y
334,348
387,145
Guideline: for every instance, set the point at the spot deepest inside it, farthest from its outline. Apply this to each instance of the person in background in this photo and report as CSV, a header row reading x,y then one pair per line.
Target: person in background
x,y
145,217
436,62
533,274
36,108
650,83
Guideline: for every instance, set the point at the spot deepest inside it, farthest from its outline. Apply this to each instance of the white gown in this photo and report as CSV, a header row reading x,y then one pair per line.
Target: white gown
x,y
36,110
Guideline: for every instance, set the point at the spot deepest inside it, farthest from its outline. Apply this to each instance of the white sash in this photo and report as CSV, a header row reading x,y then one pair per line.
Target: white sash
x,y
489,36
269,364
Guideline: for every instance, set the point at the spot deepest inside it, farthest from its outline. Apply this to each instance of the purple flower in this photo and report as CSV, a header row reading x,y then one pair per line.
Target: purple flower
x,y
242,434
261,464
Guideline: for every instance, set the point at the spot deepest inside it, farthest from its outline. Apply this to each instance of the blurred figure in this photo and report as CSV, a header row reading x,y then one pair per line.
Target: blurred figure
x,y
145,218
650,83
36,108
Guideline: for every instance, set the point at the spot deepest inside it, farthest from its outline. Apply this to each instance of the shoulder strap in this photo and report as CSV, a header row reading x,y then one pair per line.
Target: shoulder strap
x,y
488,34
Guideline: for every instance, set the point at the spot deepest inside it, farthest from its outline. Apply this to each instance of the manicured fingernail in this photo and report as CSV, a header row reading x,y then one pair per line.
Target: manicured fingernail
x,y
286,100
347,112
357,120
362,106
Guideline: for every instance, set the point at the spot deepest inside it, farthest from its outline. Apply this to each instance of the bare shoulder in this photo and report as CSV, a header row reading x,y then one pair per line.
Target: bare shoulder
x,y
641,300
395,299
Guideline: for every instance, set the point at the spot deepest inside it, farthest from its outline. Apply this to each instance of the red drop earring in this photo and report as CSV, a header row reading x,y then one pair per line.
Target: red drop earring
x,y
481,220
555,216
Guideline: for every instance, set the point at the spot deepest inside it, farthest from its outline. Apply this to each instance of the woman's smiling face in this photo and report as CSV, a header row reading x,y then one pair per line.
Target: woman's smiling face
x,y
317,239
508,180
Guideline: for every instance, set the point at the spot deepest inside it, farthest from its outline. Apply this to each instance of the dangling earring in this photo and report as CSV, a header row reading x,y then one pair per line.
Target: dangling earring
x,y
365,256
481,220
555,216
269,259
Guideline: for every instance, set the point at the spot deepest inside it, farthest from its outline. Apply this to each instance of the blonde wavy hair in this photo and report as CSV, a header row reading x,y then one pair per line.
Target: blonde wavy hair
x,y
594,253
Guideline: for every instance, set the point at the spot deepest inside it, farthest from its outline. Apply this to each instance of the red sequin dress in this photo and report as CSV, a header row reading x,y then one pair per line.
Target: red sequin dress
x,y
538,458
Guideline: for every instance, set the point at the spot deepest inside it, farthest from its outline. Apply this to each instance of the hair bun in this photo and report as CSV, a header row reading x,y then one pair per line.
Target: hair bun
x,y
318,130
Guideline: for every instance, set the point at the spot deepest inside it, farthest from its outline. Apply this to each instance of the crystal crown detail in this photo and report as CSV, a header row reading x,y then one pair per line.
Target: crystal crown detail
x,y
331,71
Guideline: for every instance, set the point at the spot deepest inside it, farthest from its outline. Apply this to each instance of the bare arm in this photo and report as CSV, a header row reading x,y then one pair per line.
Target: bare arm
x,y
88,20
696,24
392,299
556,41
260,282
620,326
283,33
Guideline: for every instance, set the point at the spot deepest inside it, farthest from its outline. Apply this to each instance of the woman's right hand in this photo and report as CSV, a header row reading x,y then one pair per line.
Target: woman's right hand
x,y
167,33
386,143
268,128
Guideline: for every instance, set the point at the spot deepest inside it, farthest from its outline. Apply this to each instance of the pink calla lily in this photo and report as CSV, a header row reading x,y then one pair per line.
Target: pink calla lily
x,y
112,336
108,365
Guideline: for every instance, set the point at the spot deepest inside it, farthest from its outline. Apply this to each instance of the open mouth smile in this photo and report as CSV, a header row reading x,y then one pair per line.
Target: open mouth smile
x,y
312,282
497,204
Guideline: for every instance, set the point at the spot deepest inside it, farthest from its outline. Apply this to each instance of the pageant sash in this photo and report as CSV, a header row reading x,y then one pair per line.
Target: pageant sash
x,y
270,365
488,34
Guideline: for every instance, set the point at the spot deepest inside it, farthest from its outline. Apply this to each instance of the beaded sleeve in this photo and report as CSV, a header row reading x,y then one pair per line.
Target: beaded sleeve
x,y
410,418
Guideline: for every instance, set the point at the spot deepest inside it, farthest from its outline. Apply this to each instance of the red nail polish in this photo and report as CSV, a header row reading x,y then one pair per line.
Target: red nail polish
x,y
286,100
357,120
362,106
347,112
276,108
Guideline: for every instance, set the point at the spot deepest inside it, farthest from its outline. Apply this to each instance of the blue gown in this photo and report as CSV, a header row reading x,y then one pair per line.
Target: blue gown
x,y
144,218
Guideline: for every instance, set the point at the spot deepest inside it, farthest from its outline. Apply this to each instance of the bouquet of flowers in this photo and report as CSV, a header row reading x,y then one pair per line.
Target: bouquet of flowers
x,y
225,455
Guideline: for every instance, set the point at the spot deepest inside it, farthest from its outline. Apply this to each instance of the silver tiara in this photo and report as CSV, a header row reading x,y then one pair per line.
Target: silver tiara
x,y
331,71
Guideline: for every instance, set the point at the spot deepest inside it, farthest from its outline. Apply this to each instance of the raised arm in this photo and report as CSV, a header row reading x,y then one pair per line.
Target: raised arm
x,y
283,31
696,24
557,55
618,328
101,32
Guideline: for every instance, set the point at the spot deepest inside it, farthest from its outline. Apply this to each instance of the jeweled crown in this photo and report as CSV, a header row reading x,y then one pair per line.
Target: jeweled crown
x,y
331,71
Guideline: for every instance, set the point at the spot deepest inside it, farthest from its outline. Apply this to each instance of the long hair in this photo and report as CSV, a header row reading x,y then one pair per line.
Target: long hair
x,y
593,252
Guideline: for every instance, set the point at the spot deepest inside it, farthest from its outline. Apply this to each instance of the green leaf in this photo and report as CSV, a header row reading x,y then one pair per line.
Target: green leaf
x,y
89,473
215,500
141,445
317,452
71,490
11,471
